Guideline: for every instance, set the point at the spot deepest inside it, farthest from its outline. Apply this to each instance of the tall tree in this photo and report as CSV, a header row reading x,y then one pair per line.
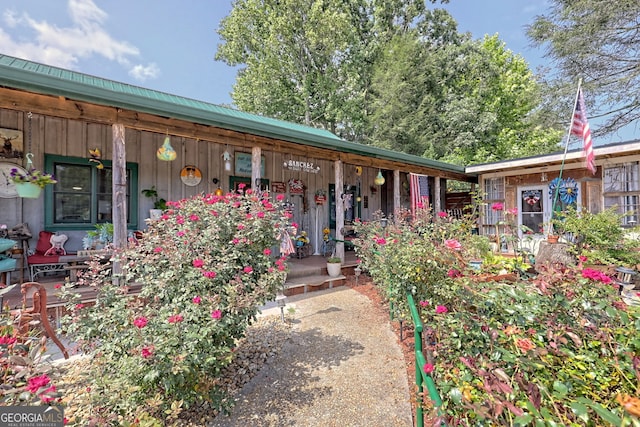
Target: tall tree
x,y
309,61
600,42
460,100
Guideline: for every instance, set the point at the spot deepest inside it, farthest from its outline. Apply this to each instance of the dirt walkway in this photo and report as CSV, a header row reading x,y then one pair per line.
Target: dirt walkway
x,y
341,367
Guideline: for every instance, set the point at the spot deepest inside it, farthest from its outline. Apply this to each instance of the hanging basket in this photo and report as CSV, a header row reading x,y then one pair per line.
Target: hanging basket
x,y
28,190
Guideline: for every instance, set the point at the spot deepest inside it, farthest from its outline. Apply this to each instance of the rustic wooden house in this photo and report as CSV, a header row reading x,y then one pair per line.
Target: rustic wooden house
x,y
530,185
88,131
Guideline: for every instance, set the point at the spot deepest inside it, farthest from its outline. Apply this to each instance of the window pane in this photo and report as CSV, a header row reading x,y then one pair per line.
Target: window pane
x,y
72,194
72,208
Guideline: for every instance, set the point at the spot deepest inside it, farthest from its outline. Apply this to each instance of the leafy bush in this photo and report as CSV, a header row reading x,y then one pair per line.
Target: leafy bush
x,y
560,349
421,256
600,236
204,269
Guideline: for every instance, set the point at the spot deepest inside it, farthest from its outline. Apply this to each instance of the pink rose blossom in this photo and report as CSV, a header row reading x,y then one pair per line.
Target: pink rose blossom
x,y
512,211
7,340
235,241
442,214
180,233
216,314
140,322
180,220
453,273
194,217
441,309
453,244
240,226
497,206
260,214
242,185
146,352
209,274
248,269
79,306
34,384
267,252
428,368
248,216
381,241
424,303
280,197
157,249
197,263
57,286
176,318
196,300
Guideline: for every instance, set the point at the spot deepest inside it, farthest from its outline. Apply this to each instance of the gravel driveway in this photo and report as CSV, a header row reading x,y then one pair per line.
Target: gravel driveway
x,y
340,367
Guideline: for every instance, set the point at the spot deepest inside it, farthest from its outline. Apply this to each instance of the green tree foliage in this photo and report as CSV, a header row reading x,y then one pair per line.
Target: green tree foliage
x,y
600,42
458,100
387,72
310,61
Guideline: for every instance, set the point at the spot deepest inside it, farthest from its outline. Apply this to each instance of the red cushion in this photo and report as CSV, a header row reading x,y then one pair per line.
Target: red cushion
x,y
44,242
42,259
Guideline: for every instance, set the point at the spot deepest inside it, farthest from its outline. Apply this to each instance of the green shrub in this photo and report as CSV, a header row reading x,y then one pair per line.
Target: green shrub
x,y
204,269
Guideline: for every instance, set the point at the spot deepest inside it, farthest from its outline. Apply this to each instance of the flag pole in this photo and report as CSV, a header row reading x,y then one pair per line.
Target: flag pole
x,y
566,147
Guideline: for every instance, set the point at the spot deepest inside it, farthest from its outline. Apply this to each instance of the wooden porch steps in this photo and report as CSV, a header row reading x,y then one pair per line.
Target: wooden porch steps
x,y
310,283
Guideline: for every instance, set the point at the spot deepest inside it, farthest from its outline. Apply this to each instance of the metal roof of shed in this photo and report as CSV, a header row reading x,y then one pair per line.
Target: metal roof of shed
x,y
44,79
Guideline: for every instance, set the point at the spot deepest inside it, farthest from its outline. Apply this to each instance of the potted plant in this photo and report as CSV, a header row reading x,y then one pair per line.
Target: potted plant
x,y
334,266
30,183
159,204
98,238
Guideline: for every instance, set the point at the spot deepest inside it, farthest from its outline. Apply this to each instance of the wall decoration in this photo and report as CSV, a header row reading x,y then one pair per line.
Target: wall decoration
x,y
12,144
301,166
96,157
166,152
243,164
296,186
190,175
278,187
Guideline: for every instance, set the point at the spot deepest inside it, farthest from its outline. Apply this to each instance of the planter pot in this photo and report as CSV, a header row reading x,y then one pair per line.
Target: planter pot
x,y
552,239
334,269
155,213
475,264
28,190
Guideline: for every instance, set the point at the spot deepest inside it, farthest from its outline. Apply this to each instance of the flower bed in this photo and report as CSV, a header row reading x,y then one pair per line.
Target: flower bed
x,y
561,348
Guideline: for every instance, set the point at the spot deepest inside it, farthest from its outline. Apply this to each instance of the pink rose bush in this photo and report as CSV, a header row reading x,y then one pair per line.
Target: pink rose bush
x,y
198,295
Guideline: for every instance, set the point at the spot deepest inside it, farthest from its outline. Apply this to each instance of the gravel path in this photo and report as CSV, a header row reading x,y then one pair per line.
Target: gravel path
x,y
341,366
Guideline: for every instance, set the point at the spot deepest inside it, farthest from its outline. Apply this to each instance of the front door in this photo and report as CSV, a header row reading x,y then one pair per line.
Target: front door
x,y
533,209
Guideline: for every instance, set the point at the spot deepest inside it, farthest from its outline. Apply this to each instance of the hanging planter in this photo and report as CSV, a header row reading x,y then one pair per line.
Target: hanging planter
x,y
28,190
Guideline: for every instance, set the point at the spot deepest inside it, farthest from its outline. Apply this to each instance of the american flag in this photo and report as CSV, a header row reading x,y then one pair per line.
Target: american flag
x,y
419,187
580,127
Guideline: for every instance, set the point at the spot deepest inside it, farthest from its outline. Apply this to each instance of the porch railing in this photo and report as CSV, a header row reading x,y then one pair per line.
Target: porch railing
x,y
422,378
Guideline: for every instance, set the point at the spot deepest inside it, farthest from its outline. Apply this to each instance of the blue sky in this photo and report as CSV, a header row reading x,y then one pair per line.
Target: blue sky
x,y
170,46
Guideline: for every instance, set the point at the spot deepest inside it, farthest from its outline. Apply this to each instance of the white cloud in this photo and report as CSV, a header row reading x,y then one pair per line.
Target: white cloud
x,y
65,47
142,73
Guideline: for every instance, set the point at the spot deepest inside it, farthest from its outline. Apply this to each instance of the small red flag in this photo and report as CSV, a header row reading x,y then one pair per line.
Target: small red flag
x,y
580,127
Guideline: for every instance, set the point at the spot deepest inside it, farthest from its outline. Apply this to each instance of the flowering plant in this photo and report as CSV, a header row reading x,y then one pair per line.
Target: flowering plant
x,y
33,176
205,268
510,353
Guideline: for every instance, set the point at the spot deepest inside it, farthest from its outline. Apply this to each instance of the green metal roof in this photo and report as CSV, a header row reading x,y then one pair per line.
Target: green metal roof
x,y
44,79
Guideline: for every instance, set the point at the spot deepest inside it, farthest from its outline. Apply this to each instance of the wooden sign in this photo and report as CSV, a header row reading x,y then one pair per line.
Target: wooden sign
x,y
278,187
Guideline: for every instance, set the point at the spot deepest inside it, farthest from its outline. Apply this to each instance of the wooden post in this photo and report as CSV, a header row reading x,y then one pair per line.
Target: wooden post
x,y
437,201
119,196
339,209
396,191
256,163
